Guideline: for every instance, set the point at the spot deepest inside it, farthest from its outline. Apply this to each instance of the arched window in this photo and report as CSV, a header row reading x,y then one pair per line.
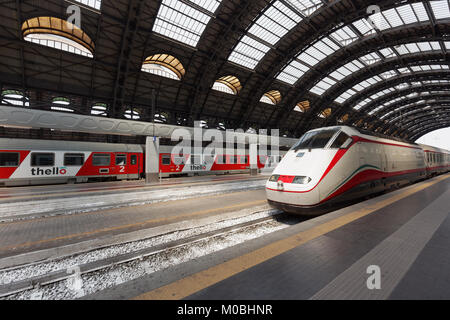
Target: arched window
x,y
15,98
164,65
61,104
99,109
343,119
325,113
228,84
161,117
132,114
302,106
272,97
59,34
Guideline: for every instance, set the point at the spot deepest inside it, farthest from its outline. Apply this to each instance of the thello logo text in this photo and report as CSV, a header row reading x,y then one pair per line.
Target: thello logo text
x,y
48,172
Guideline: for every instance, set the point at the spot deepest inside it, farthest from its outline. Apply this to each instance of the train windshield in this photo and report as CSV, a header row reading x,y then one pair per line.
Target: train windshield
x,y
315,139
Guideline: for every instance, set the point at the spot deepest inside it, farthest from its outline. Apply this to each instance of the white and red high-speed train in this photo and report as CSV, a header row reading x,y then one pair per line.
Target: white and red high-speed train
x,y
334,165
33,162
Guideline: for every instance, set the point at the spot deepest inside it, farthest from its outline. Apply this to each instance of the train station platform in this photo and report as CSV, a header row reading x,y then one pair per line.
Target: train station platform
x,y
404,235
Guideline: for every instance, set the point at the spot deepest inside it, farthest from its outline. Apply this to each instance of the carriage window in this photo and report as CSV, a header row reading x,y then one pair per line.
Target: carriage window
x,y
43,159
133,159
166,160
121,159
315,139
101,160
9,159
235,159
245,159
340,140
73,159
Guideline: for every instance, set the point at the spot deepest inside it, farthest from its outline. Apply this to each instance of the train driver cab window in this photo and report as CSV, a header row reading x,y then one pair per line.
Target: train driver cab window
x,y
315,139
42,159
166,160
133,159
342,141
121,159
101,159
73,159
9,159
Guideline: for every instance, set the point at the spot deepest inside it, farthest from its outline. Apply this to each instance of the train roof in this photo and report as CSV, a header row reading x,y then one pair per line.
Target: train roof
x,y
434,149
50,145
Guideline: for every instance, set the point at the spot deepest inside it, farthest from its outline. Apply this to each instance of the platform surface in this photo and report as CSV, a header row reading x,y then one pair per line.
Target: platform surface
x,y
405,234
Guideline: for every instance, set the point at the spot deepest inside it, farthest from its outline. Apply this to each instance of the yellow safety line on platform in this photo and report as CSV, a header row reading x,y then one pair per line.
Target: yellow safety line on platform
x,y
203,279
89,233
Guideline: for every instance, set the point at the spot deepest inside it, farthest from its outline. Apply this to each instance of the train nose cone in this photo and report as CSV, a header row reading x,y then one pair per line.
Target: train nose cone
x,y
280,185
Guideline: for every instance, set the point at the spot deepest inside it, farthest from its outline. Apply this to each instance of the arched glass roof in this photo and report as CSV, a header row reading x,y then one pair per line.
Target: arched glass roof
x,y
385,92
59,34
380,78
402,15
184,21
277,19
358,64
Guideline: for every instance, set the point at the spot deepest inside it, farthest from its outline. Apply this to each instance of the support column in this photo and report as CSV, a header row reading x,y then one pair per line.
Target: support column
x,y
253,159
152,160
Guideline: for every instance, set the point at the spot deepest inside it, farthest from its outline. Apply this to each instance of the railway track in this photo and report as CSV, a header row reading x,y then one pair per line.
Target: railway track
x,y
67,279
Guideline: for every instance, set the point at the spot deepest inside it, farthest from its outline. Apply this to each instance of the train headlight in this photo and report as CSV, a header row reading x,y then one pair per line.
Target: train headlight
x,y
274,178
301,180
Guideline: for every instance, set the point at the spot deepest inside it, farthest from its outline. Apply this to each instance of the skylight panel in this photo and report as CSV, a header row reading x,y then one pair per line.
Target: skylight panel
x,y
420,11
248,52
345,96
387,52
370,58
362,104
274,23
344,36
306,7
393,17
312,56
440,9
326,83
181,22
364,27
96,4
388,74
407,14
292,72
210,5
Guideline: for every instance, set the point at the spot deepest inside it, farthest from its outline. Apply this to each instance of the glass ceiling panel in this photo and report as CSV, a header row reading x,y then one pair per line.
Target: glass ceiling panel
x,y
440,9
248,52
96,4
177,20
385,75
273,24
391,18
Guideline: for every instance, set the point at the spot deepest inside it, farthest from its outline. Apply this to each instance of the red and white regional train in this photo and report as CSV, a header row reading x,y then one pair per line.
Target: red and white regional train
x,y
34,162
334,165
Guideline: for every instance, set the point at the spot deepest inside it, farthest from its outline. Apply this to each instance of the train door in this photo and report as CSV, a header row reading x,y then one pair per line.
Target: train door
x,y
133,166
121,162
